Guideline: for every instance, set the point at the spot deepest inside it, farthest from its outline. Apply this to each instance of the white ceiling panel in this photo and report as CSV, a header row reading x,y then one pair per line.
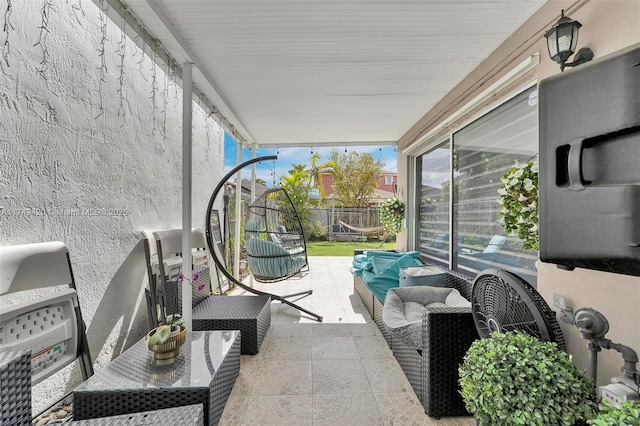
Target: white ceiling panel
x,y
308,72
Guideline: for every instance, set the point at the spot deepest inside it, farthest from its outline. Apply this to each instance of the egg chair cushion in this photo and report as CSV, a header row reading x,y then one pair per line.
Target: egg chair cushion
x,y
270,260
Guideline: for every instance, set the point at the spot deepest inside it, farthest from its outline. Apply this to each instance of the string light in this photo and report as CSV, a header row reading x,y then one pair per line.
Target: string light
x,y
273,171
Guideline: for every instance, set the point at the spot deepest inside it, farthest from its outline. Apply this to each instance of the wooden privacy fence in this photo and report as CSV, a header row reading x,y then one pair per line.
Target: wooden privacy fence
x,y
359,217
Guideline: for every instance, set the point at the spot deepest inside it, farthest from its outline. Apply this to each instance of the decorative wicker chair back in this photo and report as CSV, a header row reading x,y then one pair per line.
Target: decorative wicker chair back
x,y
274,238
165,266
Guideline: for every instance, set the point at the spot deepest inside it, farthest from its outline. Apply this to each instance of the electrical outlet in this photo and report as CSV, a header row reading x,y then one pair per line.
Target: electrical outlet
x,y
559,301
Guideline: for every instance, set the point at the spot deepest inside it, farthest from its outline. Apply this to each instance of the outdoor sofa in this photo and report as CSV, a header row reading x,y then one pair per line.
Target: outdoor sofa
x,y
447,332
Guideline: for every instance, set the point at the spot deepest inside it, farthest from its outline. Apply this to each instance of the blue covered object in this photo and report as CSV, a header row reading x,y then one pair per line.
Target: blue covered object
x,y
384,272
269,260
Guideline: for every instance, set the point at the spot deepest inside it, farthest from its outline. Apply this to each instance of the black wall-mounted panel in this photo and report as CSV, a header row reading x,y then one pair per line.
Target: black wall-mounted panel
x,y
589,121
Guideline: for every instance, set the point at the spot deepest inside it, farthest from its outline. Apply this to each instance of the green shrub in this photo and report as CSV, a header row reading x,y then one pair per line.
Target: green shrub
x,y
318,231
627,415
515,379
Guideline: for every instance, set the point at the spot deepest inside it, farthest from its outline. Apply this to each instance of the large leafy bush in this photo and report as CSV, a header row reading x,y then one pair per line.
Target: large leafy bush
x,y
515,379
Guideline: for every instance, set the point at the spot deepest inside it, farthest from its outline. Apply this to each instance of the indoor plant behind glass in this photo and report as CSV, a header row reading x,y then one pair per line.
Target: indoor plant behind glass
x,y
165,340
391,214
519,203
515,379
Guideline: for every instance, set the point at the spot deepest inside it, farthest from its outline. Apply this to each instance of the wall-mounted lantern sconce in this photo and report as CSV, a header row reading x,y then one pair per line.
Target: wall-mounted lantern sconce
x,y
562,40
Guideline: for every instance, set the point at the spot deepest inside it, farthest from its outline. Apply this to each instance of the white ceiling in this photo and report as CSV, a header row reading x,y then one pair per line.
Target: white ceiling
x,y
336,72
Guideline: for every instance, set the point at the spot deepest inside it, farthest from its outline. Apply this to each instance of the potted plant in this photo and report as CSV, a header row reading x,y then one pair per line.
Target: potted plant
x,y
515,379
519,203
165,340
628,414
391,214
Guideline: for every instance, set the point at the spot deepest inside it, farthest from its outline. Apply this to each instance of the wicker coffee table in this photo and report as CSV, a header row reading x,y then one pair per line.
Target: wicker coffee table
x,y
191,415
203,373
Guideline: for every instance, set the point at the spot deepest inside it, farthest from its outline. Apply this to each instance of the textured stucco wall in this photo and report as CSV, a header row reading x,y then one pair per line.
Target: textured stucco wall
x,y
80,165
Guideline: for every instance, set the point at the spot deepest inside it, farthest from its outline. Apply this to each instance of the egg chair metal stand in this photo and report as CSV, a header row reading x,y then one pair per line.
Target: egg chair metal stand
x,y
275,243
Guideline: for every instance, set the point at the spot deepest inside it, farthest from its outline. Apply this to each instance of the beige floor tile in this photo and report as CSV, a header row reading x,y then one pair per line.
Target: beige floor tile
x,y
373,347
353,312
333,348
283,377
278,410
366,329
400,409
330,330
234,410
281,312
329,308
286,329
288,348
292,381
339,376
249,368
352,409
386,376
243,384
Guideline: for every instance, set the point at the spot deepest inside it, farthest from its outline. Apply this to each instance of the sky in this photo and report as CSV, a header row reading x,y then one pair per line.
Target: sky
x,y
289,156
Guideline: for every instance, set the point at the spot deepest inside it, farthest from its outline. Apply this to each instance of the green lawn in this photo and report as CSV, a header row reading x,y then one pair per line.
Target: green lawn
x,y
339,248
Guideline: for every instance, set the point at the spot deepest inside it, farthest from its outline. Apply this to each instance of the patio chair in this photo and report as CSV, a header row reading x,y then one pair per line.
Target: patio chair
x,y
48,328
249,314
431,348
164,264
279,223
274,238
439,247
490,257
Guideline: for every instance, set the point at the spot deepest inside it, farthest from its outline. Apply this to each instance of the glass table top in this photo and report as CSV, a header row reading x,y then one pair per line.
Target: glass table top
x,y
196,366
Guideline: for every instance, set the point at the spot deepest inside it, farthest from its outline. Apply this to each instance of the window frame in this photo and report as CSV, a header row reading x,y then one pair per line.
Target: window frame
x,y
415,171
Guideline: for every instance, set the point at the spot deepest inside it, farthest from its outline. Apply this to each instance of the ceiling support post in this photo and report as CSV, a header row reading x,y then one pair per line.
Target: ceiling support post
x,y
187,119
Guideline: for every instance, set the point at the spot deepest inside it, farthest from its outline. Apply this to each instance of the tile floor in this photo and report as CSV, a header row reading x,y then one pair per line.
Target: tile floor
x,y
338,372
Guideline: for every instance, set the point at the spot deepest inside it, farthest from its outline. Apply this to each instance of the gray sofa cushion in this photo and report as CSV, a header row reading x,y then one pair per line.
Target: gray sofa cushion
x,y
402,311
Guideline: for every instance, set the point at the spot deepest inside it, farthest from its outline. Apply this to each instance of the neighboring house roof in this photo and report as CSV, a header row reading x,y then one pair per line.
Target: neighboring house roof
x,y
246,187
260,188
382,194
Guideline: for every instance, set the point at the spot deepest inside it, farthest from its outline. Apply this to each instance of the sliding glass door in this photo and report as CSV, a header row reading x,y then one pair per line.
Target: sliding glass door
x,y
461,229
435,203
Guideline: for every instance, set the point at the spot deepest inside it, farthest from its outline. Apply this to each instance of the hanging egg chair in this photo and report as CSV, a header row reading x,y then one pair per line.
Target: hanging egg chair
x,y
274,241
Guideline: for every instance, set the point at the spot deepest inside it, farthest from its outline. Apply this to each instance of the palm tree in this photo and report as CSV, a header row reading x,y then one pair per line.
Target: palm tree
x,y
316,170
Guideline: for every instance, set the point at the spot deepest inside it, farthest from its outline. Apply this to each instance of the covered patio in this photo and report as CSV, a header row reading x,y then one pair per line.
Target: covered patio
x,y
114,116
338,372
